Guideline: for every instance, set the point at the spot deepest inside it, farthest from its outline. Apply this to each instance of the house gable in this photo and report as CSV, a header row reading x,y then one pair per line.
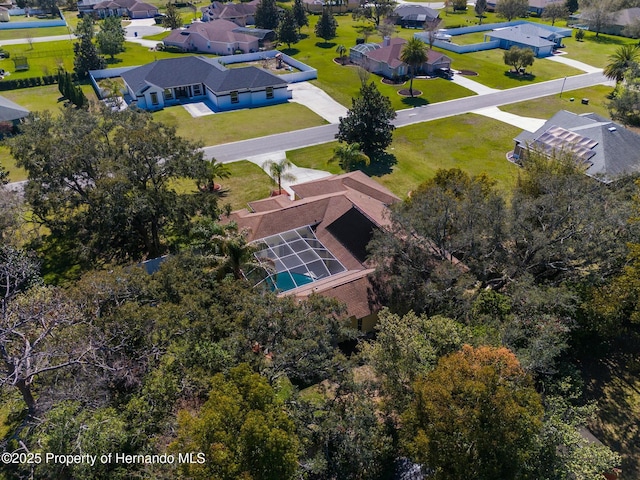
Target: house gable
x,y
606,149
174,79
341,211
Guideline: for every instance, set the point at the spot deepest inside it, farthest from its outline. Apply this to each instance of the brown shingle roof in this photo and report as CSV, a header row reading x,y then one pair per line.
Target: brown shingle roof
x,y
351,288
320,204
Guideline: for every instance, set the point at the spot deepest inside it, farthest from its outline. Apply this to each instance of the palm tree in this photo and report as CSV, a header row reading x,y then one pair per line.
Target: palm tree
x,y
349,155
341,50
414,54
278,171
211,171
621,61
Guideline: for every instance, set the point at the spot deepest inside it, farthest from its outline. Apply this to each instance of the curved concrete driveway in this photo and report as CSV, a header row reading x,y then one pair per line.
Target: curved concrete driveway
x,y
316,100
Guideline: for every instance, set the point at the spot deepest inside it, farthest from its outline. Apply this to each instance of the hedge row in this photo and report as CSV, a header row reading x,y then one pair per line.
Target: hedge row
x,y
9,84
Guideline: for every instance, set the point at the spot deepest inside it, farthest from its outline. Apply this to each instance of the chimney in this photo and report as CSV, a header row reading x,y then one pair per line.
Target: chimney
x,y
386,41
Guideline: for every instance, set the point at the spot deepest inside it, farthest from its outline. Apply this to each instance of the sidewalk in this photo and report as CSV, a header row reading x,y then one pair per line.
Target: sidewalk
x,y
301,175
526,123
574,63
472,85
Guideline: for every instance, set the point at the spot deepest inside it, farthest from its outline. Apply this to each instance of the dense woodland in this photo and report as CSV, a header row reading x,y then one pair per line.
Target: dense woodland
x,y
492,301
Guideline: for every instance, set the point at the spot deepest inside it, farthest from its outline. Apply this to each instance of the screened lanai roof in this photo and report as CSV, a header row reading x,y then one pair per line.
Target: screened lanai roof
x,y
365,47
295,258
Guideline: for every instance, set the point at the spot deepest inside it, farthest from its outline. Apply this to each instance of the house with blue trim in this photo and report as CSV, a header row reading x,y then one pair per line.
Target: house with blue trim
x,y
527,35
175,81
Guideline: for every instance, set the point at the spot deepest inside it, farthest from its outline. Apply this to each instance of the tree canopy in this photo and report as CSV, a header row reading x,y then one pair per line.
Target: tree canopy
x,y
368,122
475,415
102,181
326,26
511,9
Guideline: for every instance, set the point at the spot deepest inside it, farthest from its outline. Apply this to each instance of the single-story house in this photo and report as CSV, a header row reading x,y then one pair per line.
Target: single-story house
x,y
541,40
118,8
384,59
220,37
11,112
606,149
342,6
621,20
413,16
535,6
316,243
242,14
195,79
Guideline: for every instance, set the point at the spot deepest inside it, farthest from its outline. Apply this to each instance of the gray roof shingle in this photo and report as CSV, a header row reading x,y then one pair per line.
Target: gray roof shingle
x,y
617,151
175,72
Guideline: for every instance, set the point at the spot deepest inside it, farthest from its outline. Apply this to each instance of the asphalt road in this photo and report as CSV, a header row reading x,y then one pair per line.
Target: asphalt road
x,y
229,152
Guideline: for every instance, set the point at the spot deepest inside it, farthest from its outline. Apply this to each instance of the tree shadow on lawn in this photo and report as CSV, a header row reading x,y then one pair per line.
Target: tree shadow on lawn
x,y
415,101
606,40
290,51
521,77
326,44
381,164
111,61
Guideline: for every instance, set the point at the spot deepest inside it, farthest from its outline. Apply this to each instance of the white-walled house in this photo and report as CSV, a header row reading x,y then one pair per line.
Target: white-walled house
x,y
190,79
220,37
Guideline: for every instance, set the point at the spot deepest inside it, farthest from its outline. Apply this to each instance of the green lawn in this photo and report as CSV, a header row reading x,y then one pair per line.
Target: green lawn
x,y
240,124
342,82
158,37
494,73
45,58
42,98
247,183
7,162
594,51
546,107
471,142
469,38
32,32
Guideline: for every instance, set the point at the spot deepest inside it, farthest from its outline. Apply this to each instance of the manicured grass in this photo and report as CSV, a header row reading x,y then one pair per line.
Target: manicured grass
x,y
546,107
158,37
317,157
467,18
494,73
45,58
16,174
469,38
32,32
471,142
43,98
594,50
36,98
343,82
247,183
241,124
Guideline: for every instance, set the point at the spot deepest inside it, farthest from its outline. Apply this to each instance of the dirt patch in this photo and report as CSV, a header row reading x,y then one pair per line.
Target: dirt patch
x,y
468,73
270,64
343,61
405,92
389,81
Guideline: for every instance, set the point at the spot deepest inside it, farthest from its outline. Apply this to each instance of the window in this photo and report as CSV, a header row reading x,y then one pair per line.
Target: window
x,y
154,98
168,94
197,89
234,97
269,92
